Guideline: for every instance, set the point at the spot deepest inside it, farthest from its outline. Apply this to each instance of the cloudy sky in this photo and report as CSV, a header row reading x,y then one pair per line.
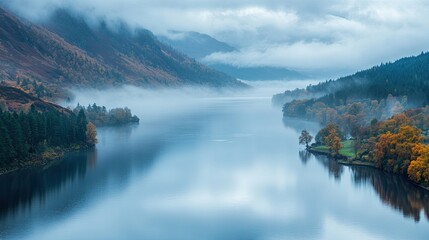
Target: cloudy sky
x,y
320,35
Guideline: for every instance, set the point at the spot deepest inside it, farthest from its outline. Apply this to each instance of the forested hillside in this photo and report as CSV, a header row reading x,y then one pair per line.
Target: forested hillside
x,y
31,129
405,77
377,117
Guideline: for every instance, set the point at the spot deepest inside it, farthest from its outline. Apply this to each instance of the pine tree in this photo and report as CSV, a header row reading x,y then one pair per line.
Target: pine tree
x,y
7,151
81,126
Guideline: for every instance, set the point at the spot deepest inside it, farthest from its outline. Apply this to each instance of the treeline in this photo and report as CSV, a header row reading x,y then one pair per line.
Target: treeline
x,y
396,145
405,77
373,109
25,135
100,116
347,115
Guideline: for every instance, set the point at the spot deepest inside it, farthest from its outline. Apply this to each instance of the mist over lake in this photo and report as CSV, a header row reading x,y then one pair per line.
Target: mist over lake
x,y
214,120
204,164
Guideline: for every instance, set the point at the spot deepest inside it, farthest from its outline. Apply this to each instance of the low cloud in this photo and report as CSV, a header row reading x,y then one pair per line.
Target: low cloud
x,y
333,35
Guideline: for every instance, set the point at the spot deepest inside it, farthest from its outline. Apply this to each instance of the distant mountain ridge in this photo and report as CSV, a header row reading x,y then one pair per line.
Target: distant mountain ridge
x,y
66,52
259,73
200,46
194,44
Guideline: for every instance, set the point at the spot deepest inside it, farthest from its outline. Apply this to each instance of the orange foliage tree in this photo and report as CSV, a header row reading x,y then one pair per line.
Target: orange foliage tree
x,y
418,171
91,134
333,142
394,151
394,124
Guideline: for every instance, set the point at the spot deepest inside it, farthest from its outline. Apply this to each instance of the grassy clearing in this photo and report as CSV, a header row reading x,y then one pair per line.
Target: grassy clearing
x,y
347,150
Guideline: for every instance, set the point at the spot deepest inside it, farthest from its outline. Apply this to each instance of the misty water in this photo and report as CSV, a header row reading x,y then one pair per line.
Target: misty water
x,y
206,165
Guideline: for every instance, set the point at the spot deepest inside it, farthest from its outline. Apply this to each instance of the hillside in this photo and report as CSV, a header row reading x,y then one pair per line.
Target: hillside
x,y
194,44
31,53
15,100
200,46
33,131
405,77
66,52
136,54
259,73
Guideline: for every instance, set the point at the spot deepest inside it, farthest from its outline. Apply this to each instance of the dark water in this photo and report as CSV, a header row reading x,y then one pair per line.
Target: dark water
x,y
222,168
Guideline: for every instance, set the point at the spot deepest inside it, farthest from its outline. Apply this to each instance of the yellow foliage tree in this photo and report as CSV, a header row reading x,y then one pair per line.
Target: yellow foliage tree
x,y
393,152
418,171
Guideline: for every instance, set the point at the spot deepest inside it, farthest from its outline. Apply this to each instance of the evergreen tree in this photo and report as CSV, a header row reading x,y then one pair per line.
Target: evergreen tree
x,y
81,126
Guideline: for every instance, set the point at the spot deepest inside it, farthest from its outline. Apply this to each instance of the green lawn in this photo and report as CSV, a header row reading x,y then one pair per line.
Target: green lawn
x,y
347,150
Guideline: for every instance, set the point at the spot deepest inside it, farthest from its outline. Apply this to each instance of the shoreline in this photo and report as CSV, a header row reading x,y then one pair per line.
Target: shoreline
x,y
343,160
42,160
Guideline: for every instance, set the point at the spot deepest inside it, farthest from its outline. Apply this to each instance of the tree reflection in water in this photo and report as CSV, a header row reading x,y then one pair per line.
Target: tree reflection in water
x,y
18,189
304,155
393,190
334,169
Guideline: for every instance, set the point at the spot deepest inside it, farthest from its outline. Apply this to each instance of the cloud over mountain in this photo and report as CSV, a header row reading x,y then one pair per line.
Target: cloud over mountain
x,y
331,35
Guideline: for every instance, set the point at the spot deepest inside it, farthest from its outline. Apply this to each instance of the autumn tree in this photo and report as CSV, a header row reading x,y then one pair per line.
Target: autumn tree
x,y
324,132
333,142
393,151
394,124
91,134
418,171
305,138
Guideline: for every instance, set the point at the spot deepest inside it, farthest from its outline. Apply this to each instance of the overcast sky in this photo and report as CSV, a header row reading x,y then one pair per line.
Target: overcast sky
x,y
328,35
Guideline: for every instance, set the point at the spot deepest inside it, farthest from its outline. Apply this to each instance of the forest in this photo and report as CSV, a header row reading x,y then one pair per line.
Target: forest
x,y
379,116
100,116
398,144
404,77
28,135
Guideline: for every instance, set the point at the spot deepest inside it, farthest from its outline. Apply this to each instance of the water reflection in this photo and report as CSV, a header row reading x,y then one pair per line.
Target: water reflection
x,y
393,190
228,170
305,156
39,194
299,125
19,189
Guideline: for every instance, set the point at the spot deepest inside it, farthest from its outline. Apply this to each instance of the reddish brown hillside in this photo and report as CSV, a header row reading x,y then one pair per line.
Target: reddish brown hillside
x,y
66,52
13,99
31,52
135,53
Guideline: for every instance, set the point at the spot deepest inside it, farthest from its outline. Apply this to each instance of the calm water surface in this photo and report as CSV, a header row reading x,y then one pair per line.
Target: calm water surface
x,y
208,167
